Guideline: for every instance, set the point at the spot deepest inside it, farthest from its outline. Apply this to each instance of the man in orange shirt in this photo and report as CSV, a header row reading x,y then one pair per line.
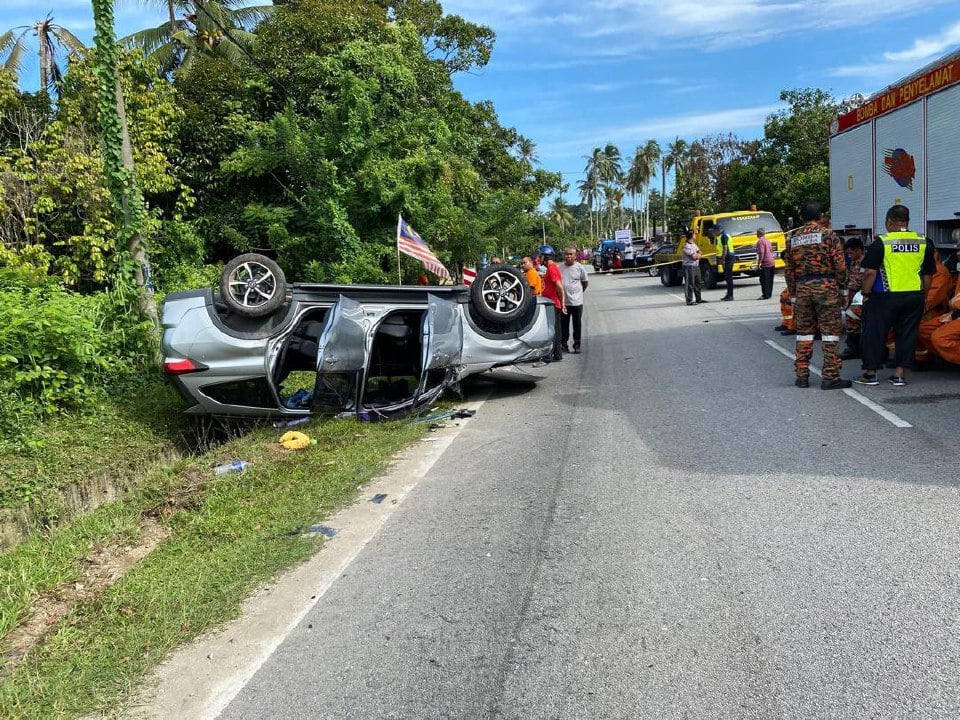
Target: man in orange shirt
x,y
530,272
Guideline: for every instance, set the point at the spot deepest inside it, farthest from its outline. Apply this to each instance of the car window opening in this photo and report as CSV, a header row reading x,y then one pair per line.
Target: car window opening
x,y
396,360
296,371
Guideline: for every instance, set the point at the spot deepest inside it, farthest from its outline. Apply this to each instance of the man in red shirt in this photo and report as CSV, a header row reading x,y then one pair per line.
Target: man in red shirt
x,y
553,290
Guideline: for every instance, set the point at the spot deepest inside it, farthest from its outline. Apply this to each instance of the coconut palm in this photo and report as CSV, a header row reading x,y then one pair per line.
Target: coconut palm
x,y
51,38
588,195
218,27
594,170
613,205
612,172
651,151
603,167
676,157
527,151
641,171
560,214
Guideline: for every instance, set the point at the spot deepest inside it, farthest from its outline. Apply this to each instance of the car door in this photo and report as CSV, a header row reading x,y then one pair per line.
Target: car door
x,y
442,345
341,357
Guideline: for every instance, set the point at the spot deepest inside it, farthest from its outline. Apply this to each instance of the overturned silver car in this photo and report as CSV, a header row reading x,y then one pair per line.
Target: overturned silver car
x,y
263,348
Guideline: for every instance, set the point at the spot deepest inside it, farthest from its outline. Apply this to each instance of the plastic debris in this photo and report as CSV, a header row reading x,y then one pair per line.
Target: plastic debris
x,y
445,415
291,423
325,530
378,498
237,466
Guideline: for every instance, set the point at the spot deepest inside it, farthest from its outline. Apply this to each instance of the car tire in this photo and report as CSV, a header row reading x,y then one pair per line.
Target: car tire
x,y
708,274
253,285
500,293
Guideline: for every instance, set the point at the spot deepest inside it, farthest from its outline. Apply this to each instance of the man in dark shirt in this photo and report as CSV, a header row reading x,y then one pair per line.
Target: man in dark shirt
x,y
897,270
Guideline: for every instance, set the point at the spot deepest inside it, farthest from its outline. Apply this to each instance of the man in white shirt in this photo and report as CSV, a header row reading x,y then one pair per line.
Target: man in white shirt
x,y
574,283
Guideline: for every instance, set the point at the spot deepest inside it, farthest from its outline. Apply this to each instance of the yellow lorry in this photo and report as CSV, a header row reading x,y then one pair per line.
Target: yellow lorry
x,y
741,227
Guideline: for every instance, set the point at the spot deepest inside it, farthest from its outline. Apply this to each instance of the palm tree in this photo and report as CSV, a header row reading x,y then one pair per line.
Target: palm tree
x,y
613,204
588,194
651,152
641,171
527,151
636,179
217,27
51,38
676,158
612,171
559,213
603,168
594,170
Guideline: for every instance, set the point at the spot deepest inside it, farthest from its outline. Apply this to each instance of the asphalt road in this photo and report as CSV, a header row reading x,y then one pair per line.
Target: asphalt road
x,y
664,528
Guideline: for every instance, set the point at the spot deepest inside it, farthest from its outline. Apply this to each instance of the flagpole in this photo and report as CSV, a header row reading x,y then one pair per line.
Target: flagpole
x,y
399,220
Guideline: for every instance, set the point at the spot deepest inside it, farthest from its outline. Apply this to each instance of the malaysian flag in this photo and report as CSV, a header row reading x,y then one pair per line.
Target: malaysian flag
x,y
409,243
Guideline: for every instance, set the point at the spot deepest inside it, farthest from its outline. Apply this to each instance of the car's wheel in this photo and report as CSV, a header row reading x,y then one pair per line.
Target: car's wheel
x,y
664,273
253,285
500,293
708,274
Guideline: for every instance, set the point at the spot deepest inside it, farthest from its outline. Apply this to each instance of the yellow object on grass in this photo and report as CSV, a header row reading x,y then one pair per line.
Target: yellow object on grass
x,y
295,440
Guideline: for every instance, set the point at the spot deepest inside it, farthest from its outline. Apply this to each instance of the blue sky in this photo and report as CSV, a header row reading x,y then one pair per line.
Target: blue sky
x,y
572,75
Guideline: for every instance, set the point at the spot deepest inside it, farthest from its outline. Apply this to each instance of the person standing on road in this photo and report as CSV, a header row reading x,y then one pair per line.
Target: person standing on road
x,y
530,272
574,283
766,264
816,274
853,305
724,256
553,291
691,269
897,271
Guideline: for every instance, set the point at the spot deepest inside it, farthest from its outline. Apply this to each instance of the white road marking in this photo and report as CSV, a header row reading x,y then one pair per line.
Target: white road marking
x,y
201,680
865,401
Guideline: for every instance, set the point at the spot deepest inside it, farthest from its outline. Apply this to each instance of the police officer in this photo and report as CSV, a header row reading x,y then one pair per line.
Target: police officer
x,y
897,271
725,256
816,274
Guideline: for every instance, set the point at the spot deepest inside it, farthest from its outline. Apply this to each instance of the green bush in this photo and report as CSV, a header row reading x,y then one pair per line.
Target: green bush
x,y
59,349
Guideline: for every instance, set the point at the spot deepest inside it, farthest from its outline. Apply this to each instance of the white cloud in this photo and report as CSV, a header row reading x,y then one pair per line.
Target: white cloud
x,y
892,65
621,27
928,48
604,87
664,128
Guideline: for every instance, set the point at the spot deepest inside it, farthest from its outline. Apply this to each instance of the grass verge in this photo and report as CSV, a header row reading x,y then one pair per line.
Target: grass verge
x,y
228,534
115,441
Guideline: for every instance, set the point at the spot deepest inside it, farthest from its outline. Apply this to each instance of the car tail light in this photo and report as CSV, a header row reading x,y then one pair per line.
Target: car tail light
x,y
182,367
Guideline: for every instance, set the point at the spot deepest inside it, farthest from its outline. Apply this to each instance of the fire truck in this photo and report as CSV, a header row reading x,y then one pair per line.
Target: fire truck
x,y
901,147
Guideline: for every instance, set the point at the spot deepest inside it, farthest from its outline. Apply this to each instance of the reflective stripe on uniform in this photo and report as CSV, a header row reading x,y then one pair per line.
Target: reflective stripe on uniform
x,y
804,338
831,338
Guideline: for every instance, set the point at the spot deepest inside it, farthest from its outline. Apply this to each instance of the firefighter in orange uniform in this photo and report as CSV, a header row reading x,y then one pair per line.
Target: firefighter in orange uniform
x,y
938,298
816,275
945,340
786,326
